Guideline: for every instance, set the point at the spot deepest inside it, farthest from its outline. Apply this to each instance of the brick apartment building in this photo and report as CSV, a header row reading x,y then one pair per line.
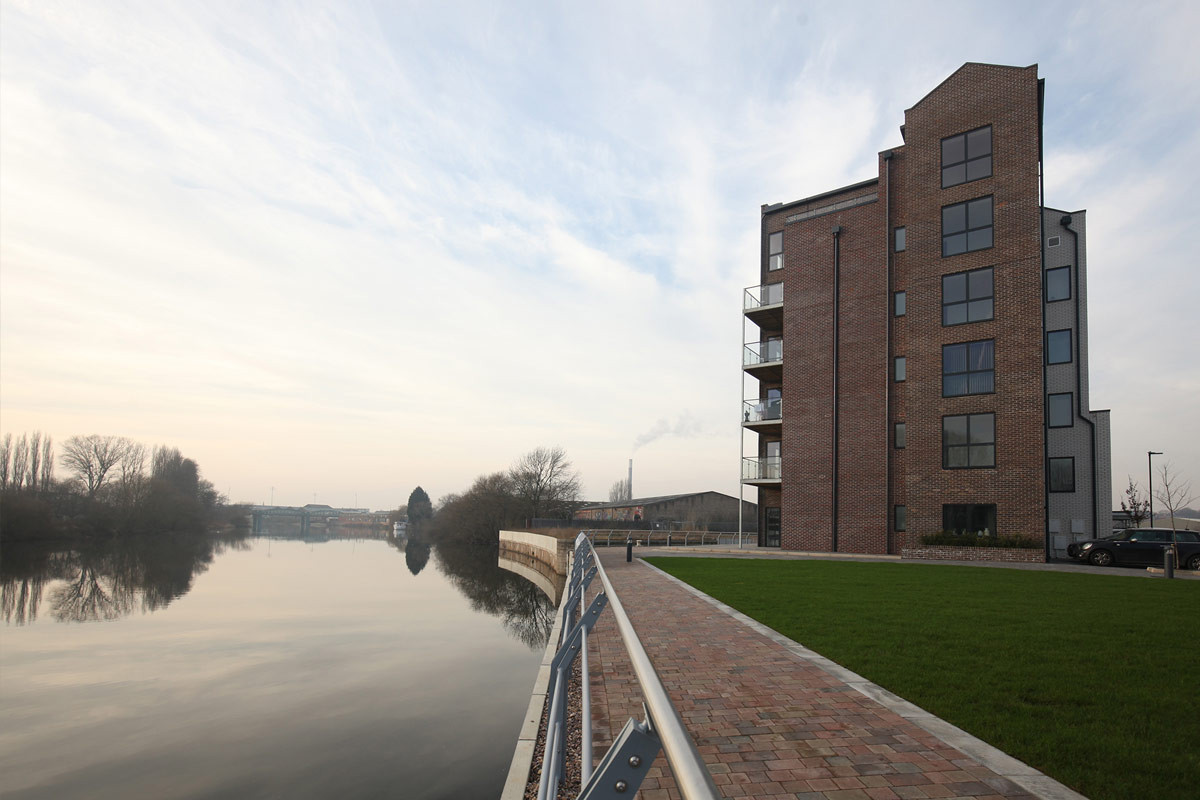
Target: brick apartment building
x,y
919,341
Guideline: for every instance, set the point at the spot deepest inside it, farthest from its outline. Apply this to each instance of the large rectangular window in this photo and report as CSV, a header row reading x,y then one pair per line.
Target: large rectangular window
x,y
775,251
901,518
901,368
967,156
968,297
1062,474
1059,410
1058,284
901,436
969,441
967,227
771,526
901,304
1058,347
973,518
968,368
901,239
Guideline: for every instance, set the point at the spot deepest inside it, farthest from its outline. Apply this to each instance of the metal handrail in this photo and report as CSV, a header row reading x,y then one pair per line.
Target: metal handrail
x,y
669,538
622,769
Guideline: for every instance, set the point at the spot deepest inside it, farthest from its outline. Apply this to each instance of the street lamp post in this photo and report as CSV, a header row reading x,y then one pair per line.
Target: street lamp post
x,y
1150,454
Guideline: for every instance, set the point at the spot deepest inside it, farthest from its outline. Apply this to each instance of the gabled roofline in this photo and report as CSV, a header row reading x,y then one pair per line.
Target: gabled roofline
x,y
960,69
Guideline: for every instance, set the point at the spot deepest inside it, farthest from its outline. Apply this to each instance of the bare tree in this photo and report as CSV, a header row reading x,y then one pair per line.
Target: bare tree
x,y
35,461
1137,507
132,478
47,463
1173,491
545,482
620,493
20,461
92,457
6,451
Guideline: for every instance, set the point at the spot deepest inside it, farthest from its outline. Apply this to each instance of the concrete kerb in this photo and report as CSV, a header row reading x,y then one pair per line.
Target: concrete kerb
x,y
1004,765
522,760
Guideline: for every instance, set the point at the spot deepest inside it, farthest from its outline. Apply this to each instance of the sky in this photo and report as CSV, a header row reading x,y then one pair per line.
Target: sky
x,y
333,251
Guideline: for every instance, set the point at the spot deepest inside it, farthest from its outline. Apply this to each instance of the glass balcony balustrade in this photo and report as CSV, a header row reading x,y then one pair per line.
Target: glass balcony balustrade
x,y
769,294
768,352
761,469
762,410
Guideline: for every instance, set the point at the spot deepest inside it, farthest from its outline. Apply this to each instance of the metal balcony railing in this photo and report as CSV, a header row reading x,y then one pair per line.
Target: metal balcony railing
x,y
621,772
768,352
759,410
608,538
768,294
762,468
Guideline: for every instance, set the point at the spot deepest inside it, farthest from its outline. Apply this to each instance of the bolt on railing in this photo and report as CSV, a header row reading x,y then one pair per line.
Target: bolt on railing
x,y
621,772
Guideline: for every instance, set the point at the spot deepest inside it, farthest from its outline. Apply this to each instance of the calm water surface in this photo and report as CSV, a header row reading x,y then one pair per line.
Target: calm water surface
x,y
265,668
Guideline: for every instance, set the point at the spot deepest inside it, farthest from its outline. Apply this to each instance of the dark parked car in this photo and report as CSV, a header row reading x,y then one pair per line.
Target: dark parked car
x,y
1140,547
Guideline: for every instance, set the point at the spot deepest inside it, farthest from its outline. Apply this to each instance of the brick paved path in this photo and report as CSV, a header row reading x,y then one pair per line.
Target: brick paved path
x,y
767,722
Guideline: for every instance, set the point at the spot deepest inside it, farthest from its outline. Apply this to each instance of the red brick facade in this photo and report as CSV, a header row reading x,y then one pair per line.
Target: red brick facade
x,y
866,401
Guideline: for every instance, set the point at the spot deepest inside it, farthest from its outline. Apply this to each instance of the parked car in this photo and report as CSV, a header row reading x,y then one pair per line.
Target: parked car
x,y
1140,547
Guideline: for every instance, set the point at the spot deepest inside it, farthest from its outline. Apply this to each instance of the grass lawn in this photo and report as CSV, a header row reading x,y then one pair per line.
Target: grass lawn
x,y
1092,679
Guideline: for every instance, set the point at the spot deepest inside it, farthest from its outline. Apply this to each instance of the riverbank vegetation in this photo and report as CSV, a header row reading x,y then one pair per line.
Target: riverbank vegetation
x,y
113,486
540,485
1088,678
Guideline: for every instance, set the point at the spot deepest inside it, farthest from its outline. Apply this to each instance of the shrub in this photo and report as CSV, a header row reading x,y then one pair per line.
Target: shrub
x,y
981,539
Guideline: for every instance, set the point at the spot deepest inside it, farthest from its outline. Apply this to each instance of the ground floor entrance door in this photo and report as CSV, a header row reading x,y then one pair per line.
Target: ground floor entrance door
x,y
771,527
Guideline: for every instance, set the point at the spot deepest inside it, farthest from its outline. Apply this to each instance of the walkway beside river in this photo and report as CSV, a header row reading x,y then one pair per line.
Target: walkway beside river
x,y
773,719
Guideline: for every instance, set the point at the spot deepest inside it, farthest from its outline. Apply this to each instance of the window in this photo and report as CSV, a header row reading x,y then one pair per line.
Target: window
x,y
967,227
1058,347
1062,474
1059,411
968,368
901,239
969,518
967,157
967,297
901,518
775,251
901,368
772,517
901,304
1058,284
969,441
901,436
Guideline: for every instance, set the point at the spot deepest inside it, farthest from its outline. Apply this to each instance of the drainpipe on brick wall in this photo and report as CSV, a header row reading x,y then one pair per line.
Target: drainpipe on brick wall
x,y
889,242
1066,223
1042,252
837,262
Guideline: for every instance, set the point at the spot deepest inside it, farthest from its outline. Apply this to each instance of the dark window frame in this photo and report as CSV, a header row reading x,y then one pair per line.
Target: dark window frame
x,y
900,436
970,442
1050,299
772,253
967,230
900,303
967,159
968,299
968,371
1070,343
900,517
1070,409
947,513
1050,474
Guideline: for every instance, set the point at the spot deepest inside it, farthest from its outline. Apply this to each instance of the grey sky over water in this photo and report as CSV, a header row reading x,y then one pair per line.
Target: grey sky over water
x,y
350,248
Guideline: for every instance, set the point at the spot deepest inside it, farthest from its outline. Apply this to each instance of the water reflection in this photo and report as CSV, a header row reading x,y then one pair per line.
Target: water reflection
x,y
103,579
112,578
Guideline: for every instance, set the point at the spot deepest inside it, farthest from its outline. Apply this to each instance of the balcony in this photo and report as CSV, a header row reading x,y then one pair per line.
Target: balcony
x,y
763,416
764,360
762,470
763,305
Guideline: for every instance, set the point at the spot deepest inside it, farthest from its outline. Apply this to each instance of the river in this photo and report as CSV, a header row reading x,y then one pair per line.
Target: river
x,y
171,667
